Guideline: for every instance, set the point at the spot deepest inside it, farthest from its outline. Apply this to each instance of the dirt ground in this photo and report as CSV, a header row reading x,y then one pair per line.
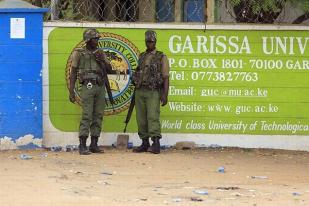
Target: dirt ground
x,y
175,177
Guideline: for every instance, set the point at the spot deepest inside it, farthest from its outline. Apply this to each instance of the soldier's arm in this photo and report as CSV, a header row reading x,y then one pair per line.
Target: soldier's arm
x,y
73,75
165,74
102,59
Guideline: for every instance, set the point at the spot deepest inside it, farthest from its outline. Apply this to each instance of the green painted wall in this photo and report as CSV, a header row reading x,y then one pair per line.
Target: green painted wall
x,y
222,81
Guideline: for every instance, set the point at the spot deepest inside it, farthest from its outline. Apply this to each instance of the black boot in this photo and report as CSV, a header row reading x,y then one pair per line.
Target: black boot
x,y
144,146
155,147
82,146
94,145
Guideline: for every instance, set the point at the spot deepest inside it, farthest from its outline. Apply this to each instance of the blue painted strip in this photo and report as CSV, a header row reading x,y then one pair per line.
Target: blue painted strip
x,y
24,10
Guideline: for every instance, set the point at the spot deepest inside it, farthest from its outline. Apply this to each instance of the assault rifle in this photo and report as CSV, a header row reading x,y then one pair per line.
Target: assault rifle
x,y
130,110
104,66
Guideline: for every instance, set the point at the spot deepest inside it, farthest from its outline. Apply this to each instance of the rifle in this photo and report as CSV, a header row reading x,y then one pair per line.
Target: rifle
x,y
103,66
130,110
107,86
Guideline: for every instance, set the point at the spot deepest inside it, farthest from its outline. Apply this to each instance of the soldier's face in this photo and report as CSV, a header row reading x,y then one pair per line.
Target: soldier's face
x,y
93,43
151,45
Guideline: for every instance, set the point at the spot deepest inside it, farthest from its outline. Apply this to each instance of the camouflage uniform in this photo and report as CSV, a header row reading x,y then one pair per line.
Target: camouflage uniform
x,y
92,90
152,69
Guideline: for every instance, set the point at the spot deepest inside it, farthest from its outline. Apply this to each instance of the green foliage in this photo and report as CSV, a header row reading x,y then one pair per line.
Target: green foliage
x,y
258,6
67,10
235,2
303,4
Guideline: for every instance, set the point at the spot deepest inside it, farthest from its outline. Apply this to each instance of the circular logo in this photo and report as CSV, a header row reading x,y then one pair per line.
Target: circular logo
x,y
123,57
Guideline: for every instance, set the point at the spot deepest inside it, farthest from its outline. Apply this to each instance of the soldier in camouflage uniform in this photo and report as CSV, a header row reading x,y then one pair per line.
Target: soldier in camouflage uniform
x,y
87,63
151,81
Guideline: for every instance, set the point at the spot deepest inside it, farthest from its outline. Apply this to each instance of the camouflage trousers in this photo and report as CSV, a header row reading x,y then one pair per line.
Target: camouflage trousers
x,y
147,106
93,104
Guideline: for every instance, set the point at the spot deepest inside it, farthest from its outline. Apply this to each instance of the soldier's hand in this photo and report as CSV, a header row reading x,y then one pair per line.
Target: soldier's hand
x,y
100,56
163,100
72,97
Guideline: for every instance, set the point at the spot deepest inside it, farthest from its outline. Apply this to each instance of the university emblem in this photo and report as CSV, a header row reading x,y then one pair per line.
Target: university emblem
x,y
123,56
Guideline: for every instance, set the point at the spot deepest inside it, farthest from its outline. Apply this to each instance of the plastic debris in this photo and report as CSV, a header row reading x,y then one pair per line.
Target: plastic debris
x,y
296,194
25,157
78,172
44,155
176,199
71,148
215,146
221,169
196,199
259,177
227,188
201,192
102,182
106,173
56,148
130,145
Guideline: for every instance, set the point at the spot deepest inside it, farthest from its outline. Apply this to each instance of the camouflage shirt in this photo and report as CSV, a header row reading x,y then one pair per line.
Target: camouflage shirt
x,y
85,61
152,69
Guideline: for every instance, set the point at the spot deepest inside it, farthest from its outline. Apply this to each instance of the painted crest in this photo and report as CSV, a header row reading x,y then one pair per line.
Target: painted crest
x,y
123,56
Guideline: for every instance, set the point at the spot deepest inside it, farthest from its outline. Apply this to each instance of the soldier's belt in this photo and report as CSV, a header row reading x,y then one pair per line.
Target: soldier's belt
x,y
89,83
91,72
92,81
